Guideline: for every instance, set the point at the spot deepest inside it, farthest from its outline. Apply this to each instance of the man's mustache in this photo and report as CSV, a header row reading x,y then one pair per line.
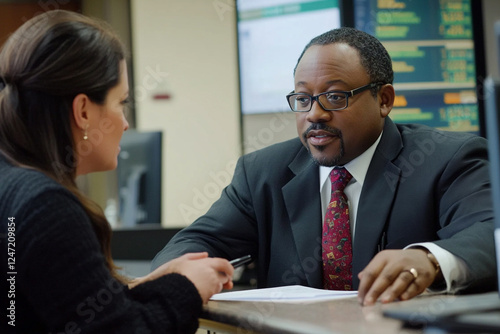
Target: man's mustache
x,y
323,127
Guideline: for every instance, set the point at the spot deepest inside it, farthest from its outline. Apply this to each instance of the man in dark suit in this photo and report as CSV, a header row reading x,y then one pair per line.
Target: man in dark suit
x,y
419,199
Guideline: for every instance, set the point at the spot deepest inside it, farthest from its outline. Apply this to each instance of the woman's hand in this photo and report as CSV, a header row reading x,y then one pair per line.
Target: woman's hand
x,y
209,275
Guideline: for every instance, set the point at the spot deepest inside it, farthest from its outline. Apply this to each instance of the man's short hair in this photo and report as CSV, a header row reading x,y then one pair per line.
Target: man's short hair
x,y
374,57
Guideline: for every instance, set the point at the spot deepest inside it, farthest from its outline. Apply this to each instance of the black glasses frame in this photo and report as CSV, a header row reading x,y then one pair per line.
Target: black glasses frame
x,y
347,94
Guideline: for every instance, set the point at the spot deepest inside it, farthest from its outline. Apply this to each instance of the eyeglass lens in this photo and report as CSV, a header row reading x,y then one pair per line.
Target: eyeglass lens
x,y
330,100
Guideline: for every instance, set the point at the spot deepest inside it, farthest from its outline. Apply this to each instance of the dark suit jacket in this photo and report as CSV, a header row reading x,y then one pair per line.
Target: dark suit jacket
x,y
421,185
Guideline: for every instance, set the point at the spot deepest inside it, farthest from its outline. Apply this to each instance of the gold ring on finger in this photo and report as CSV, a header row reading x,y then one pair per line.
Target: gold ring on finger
x,y
413,272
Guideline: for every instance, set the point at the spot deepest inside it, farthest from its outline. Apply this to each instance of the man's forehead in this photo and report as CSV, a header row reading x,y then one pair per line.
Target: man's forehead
x,y
330,58
331,52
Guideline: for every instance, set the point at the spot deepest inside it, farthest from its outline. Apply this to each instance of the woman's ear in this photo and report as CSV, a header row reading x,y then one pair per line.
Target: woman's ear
x,y
81,113
387,96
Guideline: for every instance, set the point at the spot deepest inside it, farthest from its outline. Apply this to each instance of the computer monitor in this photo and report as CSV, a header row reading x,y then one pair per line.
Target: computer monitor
x,y
271,36
139,178
438,58
492,97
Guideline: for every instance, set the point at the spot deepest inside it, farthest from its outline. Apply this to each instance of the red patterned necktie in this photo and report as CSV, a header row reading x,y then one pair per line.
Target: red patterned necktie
x,y
336,243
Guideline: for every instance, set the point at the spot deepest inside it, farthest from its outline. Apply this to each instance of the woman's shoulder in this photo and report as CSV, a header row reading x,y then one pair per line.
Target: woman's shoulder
x,y
21,187
25,179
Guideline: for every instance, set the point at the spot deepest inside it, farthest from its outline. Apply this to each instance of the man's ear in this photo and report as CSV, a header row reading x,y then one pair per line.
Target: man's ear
x,y
387,96
81,112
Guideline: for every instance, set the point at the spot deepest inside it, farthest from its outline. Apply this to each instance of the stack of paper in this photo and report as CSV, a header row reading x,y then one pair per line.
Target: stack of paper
x,y
284,294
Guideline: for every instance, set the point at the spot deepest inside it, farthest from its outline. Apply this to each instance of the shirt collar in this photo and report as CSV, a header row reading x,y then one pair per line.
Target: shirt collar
x,y
357,167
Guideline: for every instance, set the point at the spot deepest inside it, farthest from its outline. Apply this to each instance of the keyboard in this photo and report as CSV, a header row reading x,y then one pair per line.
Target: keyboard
x,y
479,313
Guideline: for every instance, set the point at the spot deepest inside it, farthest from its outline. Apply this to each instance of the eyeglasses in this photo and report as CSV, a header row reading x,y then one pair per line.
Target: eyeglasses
x,y
329,101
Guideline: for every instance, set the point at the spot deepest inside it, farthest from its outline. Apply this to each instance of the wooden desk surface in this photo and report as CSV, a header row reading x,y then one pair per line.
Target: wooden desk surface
x,y
337,316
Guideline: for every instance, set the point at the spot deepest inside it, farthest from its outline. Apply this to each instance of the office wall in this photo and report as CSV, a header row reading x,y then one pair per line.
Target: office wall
x,y
186,51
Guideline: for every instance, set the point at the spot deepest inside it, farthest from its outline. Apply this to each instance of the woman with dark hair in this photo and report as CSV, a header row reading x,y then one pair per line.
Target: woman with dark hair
x,y
63,89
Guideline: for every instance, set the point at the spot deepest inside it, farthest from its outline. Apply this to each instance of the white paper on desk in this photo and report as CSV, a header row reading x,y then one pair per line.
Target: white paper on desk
x,y
284,294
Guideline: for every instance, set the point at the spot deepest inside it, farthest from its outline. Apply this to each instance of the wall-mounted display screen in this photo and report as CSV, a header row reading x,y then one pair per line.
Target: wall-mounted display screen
x,y
434,57
271,37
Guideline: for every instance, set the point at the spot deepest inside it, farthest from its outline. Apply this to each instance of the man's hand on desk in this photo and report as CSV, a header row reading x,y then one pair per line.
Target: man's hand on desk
x,y
396,274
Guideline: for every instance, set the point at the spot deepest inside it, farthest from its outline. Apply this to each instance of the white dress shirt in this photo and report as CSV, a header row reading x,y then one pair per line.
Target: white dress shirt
x,y
454,269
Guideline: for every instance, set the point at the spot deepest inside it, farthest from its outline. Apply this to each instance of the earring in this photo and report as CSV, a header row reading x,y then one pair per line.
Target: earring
x,y
85,136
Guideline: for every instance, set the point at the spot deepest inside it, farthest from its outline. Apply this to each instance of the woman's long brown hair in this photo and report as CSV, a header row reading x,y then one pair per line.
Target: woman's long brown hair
x,y
45,64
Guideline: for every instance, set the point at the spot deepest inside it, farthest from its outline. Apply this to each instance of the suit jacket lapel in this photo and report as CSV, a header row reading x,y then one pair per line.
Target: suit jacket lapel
x,y
302,201
377,197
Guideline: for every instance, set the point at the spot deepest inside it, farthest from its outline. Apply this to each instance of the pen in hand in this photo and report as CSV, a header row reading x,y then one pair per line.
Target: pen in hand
x,y
240,261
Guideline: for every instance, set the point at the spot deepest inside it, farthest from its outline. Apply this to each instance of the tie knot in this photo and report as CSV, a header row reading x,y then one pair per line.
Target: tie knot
x,y
340,177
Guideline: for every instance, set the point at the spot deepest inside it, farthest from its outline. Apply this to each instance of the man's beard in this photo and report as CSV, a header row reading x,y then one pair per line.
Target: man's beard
x,y
325,161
